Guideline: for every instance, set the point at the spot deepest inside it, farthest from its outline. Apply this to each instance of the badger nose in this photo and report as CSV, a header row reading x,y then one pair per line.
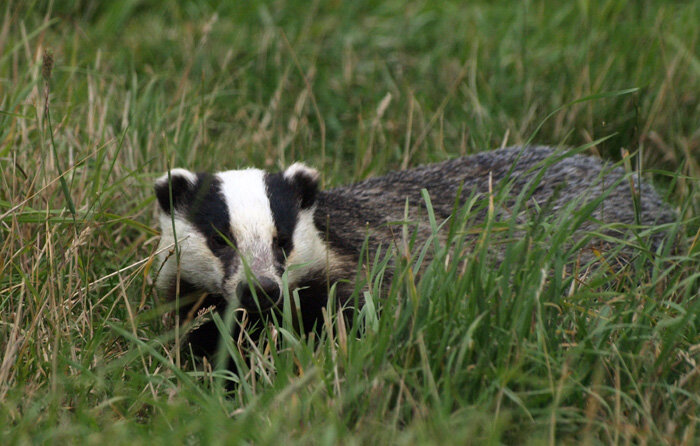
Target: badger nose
x,y
266,295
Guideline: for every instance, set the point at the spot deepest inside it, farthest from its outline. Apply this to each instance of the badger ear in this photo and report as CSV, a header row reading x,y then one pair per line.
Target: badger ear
x,y
182,184
305,181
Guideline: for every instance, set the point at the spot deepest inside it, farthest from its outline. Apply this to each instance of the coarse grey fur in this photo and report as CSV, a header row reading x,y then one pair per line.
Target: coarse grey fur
x,y
344,218
576,178
348,214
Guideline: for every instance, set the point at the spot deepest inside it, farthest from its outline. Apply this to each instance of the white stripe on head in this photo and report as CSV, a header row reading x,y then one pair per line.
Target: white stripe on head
x,y
252,224
248,205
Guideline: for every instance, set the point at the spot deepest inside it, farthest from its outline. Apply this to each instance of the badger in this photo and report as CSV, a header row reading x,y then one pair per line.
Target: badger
x,y
239,232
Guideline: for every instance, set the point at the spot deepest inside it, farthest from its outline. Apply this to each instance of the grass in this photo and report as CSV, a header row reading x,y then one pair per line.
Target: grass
x,y
469,353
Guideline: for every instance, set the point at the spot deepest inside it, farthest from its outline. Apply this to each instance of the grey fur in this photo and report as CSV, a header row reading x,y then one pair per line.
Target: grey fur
x,y
348,214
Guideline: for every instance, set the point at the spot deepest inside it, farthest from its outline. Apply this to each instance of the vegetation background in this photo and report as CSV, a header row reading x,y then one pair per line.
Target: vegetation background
x,y
97,98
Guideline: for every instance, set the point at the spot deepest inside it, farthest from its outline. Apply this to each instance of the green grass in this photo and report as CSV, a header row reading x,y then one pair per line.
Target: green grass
x,y
470,352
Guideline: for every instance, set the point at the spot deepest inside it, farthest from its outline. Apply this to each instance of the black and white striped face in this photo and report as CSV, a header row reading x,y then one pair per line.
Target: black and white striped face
x,y
238,229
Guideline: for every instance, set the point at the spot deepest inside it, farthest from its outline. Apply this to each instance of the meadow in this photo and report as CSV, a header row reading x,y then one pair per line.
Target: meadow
x,y
99,98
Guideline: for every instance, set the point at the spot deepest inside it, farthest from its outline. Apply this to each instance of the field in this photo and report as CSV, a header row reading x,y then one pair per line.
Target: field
x,y
98,98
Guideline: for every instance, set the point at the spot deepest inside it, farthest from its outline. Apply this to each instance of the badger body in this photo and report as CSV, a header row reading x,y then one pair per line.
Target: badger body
x,y
239,231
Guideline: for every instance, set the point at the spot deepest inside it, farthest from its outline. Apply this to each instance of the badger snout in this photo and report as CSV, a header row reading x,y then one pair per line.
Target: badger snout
x,y
267,292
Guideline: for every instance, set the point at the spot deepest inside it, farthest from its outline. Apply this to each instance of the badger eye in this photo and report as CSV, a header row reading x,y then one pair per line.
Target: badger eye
x,y
219,240
281,242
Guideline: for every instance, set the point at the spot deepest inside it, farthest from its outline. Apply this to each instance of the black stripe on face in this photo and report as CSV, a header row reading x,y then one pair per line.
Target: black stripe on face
x,y
284,205
207,210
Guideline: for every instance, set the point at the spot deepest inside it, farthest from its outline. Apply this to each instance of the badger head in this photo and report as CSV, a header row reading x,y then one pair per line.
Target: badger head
x,y
237,233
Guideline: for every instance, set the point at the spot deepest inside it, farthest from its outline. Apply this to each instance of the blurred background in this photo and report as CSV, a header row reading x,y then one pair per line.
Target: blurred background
x,y
356,87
